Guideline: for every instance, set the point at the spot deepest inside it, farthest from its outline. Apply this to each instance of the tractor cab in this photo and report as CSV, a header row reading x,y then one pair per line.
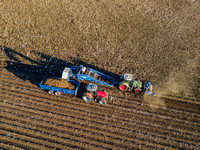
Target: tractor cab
x,y
129,83
92,93
127,77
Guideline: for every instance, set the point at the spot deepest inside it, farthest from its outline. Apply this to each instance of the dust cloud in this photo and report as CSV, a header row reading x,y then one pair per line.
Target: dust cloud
x,y
183,82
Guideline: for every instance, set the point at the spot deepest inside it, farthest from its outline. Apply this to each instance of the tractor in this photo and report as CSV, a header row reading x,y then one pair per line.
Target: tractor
x,y
92,93
128,83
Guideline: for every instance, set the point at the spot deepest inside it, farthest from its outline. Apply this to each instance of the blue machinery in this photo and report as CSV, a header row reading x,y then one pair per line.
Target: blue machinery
x,y
82,73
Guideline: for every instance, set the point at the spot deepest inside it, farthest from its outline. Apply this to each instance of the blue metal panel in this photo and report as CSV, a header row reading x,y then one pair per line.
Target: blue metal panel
x,y
80,76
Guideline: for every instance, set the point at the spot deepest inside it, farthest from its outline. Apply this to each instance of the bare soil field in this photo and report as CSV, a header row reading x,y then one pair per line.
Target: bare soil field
x,y
156,40
31,119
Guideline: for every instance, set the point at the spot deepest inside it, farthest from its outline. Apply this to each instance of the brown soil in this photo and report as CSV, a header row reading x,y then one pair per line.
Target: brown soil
x,y
31,119
59,83
158,41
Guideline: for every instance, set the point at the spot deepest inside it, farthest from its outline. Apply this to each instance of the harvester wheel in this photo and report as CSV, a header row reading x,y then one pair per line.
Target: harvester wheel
x,y
123,87
50,92
57,93
87,98
102,102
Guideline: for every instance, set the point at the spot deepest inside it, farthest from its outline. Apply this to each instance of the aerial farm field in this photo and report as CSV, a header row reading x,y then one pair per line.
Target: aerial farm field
x,y
158,41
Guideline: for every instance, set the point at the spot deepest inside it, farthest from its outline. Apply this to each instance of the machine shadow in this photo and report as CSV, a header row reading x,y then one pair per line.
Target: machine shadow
x,y
34,70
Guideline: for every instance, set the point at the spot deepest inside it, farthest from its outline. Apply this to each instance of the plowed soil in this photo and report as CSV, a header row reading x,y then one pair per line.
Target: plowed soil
x,y
31,119
156,40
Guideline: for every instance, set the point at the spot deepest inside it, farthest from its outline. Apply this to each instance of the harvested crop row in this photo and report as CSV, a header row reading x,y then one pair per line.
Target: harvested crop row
x,y
135,106
98,134
133,102
64,142
97,116
161,112
144,129
18,83
7,146
89,130
158,139
67,134
16,141
121,143
41,144
161,115
169,104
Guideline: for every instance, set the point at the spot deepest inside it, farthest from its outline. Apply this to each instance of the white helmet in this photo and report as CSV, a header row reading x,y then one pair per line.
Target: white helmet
x,y
83,70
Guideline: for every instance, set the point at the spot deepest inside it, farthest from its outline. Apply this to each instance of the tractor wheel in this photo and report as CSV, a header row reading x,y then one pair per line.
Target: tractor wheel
x,y
57,93
91,87
137,90
123,87
86,98
102,102
50,92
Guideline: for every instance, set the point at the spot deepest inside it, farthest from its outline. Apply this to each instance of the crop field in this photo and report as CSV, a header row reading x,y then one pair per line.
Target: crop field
x,y
156,40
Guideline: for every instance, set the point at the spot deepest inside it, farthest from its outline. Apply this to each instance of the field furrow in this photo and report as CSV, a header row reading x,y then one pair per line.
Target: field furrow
x,y
182,142
124,103
127,119
112,135
68,106
167,118
36,142
28,111
6,146
62,141
68,134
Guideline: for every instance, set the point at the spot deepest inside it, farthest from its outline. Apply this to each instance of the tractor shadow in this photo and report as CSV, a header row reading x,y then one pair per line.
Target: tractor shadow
x,y
33,70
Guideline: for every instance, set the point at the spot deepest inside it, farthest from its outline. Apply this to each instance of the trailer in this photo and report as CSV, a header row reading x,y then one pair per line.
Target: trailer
x,y
82,73
74,87
58,90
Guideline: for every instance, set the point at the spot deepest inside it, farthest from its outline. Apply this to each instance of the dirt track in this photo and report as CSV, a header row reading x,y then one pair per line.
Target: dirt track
x,y
31,119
